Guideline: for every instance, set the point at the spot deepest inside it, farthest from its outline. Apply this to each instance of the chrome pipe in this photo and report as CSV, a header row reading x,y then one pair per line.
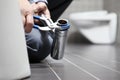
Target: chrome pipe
x,y
59,40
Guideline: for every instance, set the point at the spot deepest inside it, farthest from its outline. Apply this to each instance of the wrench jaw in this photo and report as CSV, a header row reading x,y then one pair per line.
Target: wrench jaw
x,y
42,28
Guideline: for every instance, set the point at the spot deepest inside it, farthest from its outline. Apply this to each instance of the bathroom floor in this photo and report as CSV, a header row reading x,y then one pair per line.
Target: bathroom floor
x,y
81,62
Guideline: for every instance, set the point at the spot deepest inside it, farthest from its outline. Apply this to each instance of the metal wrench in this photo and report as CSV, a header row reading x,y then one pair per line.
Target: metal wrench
x,y
50,24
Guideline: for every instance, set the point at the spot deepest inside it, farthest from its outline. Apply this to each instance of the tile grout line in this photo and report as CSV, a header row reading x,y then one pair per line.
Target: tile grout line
x,y
97,63
53,71
81,69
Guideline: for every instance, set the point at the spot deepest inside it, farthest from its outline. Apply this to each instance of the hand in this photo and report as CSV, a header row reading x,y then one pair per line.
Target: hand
x,y
40,8
43,9
27,15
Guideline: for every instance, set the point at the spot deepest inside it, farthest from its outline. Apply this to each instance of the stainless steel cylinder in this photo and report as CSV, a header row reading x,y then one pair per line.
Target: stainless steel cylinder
x,y
59,40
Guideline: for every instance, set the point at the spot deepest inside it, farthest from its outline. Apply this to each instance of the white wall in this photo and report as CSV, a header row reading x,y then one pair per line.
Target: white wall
x,y
114,6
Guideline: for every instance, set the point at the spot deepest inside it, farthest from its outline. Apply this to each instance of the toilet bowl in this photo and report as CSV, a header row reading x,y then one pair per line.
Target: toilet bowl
x,y
99,27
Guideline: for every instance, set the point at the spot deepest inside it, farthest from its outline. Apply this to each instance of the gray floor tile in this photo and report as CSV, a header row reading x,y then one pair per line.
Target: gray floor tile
x,y
41,71
67,71
81,62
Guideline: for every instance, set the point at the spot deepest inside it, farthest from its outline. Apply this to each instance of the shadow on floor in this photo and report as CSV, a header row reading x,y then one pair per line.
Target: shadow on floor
x,y
77,38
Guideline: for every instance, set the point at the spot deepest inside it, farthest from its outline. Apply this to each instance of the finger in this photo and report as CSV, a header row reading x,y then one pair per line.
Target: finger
x,y
29,23
44,10
47,13
35,8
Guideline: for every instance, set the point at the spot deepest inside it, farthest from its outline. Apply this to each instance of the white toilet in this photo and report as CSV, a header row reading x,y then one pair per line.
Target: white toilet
x,y
99,27
14,64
